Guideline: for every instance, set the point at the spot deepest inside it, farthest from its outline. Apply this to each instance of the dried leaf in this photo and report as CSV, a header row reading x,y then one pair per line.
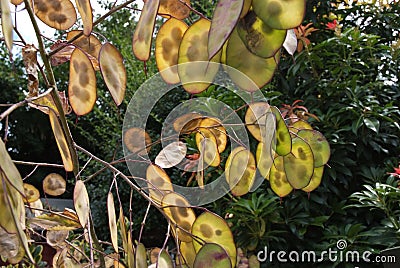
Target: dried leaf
x,y
143,35
56,238
171,155
45,102
290,43
225,17
113,71
86,12
29,55
112,221
81,202
67,220
6,23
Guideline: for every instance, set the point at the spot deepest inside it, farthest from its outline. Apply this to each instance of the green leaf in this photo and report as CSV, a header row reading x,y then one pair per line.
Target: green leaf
x,y
372,124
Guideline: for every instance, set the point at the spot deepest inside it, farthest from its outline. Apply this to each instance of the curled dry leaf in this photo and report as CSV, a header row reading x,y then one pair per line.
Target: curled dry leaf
x,y
86,12
6,23
171,155
56,238
58,14
82,89
113,71
61,141
46,102
29,55
143,35
81,202
54,184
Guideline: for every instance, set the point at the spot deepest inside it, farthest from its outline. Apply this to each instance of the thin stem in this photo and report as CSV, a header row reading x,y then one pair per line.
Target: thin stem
x,y
37,164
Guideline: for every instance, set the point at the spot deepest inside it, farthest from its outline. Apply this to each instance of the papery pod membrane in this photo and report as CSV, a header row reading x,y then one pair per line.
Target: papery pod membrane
x,y
212,255
17,258
159,182
171,155
168,40
208,148
259,38
164,261
137,140
9,170
143,34
86,12
82,90
112,221
178,210
215,126
194,50
246,8
9,244
6,23
280,14
242,172
56,238
319,145
187,123
187,254
225,17
90,44
299,164
140,256
36,208
58,14
126,240
54,184
61,142
315,179
81,202
255,118
31,193
283,139
211,228
230,157
277,178
16,2
264,157
298,125
113,71
259,70
174,8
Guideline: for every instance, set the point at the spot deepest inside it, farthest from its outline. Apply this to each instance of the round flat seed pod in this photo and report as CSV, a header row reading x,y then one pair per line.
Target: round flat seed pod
x,y
283,139
137,140
299,164
168,40
260,70
242,172
230,157
298,125
264,159
140,256
207,145
58,14
196,77
255,117
215,126
90,44
159,182
188,254
86,12
82,89
319,145
54,184
211,228
32,194
258,37
315,179
187,123
178,210
174,8
113,71
212,255
277,178
280,14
